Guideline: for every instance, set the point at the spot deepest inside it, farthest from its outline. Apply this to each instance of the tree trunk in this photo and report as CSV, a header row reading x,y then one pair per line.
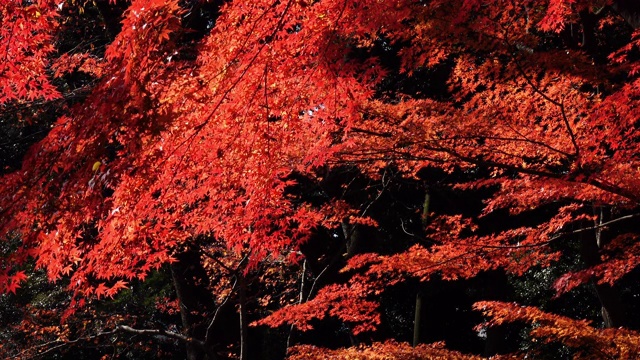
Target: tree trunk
x,y
629,10
192,351
351,236
417,318
589,22
613,313
497,287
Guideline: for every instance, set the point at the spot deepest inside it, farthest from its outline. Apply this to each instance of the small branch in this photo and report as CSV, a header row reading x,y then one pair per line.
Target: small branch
x,y
446,261
207,337
230,271
601,224
59,344
522,138
217,261
161,332
602,185
598,226
120,328
559,104
489,163
374,133
313,284
404,229
384,183
300,298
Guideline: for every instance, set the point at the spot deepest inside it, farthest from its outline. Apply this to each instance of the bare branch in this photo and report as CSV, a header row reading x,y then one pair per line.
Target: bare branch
x,y
161,332
56,344
207,337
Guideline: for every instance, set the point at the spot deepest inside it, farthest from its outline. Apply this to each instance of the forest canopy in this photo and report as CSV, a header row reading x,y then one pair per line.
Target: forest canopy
x,y
219,179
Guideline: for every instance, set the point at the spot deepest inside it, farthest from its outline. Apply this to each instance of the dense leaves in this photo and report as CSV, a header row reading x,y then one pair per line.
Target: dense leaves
x,y
590,342
219,133
388,350
27,34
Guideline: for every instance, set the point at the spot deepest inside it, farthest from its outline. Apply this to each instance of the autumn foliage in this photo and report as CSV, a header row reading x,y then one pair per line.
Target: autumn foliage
x,y
591,343
225,133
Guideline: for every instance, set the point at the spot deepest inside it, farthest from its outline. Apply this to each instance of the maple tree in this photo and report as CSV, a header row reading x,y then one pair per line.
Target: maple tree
x,y
213,133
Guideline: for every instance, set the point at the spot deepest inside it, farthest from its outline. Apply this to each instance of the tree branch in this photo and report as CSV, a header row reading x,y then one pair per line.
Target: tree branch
x,y
161,332
600,184
207,337
557,236
559,104
60,343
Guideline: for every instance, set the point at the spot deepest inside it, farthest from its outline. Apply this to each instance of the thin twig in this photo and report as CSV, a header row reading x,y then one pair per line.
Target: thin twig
x,y
59,344
559,104
300,298
207,337
161,332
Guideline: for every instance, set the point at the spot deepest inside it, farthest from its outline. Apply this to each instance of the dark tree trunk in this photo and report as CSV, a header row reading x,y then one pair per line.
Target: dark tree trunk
x,y
352,237
190,282
417,318
613,313
496,284
589,22
178,283
629,10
